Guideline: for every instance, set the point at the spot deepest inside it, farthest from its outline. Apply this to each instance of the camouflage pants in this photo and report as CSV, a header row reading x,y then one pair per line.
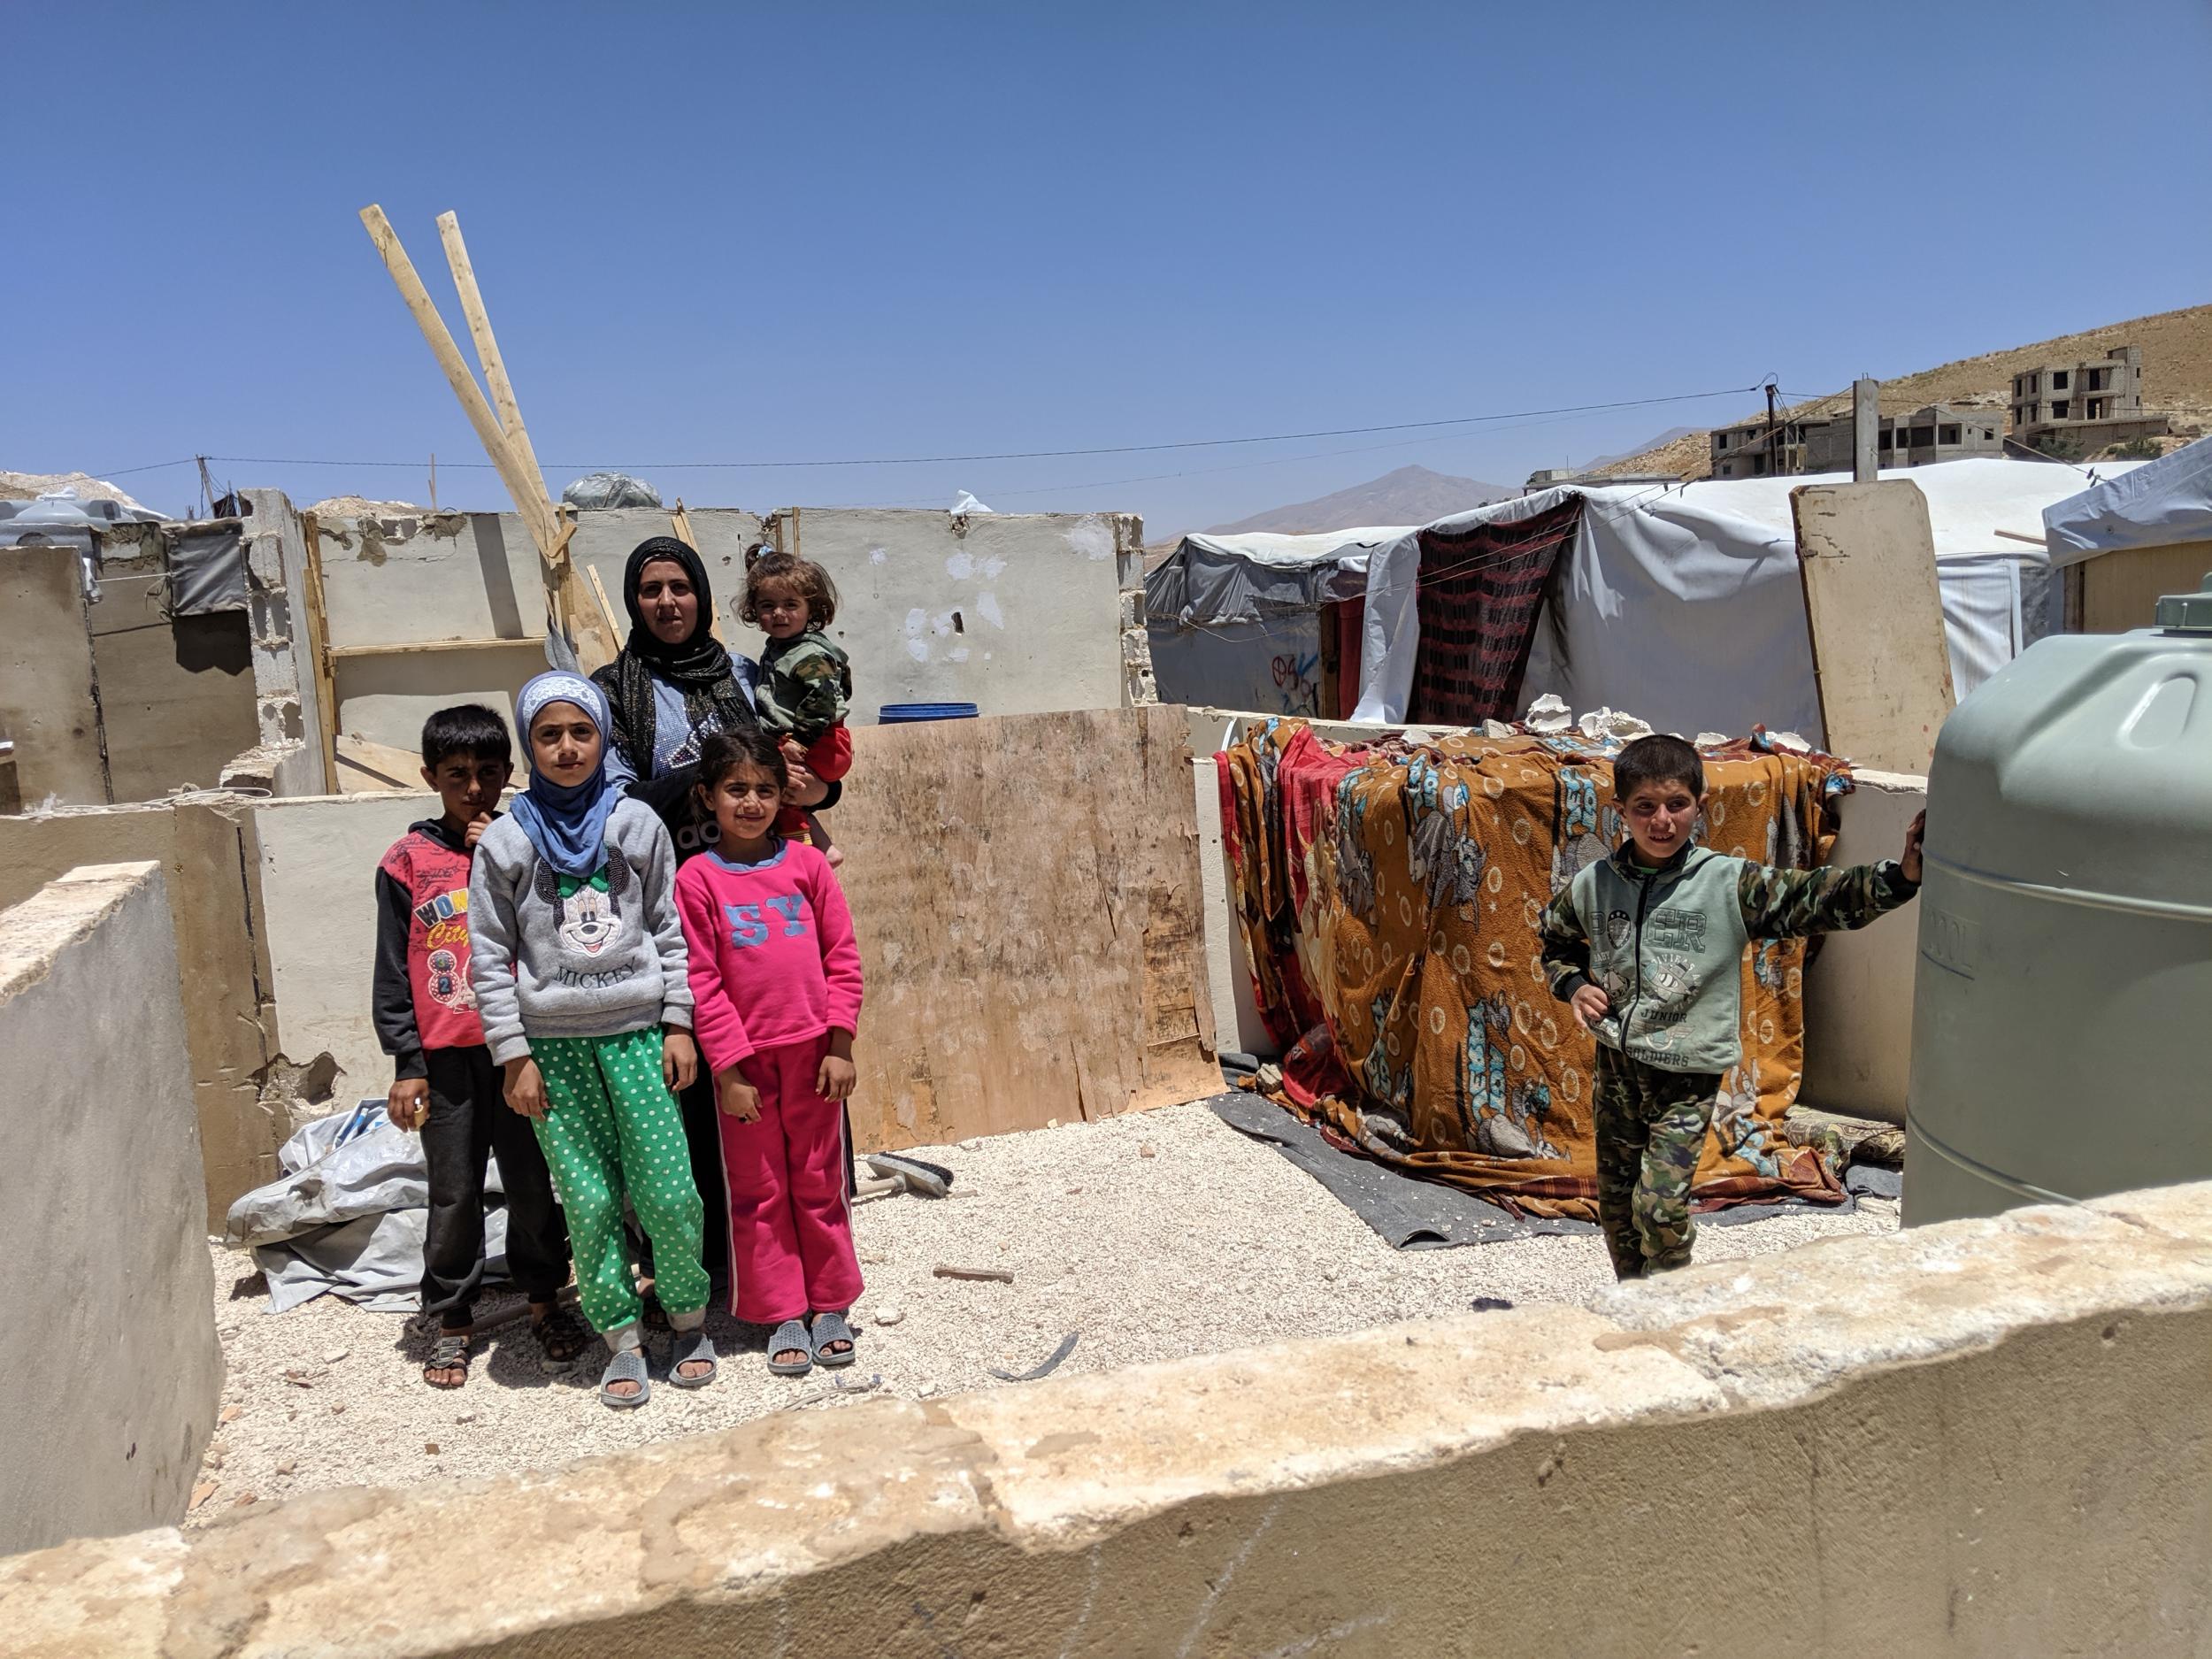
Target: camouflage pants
x,y
1651,1130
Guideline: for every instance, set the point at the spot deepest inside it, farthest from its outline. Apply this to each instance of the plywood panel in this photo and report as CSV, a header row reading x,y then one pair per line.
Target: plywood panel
x,y
1880,660
49,703
1026,893
2119,590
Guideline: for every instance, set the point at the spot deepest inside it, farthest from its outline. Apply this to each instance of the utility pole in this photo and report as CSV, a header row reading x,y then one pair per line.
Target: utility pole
x,y
207,486
433,480
1774,464
1866,419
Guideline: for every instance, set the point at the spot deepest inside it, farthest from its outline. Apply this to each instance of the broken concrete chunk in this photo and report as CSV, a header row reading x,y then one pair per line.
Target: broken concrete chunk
x,y
887,1316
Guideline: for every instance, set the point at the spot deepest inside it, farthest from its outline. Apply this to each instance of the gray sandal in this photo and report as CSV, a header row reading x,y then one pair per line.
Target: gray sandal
x,y
628,1365
692,1344
791,1334
450,1351
828,1328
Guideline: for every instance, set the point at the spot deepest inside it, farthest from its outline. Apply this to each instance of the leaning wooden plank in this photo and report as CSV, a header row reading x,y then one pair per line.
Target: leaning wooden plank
x,y
365,767
1881,661
1030,954
479,322
528,495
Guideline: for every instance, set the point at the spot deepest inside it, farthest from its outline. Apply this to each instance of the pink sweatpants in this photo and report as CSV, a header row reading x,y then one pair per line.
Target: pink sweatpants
x,y
791,1235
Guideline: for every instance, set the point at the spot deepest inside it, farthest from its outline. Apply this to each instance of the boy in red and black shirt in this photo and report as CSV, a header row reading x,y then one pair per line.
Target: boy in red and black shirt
x,y
445,1083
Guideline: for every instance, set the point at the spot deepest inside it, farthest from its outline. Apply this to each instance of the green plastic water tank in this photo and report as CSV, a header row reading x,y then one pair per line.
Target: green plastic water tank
x,y
2064,986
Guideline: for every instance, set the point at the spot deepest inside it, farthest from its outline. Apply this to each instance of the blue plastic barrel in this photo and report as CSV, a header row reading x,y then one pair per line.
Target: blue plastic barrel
x,y
909,713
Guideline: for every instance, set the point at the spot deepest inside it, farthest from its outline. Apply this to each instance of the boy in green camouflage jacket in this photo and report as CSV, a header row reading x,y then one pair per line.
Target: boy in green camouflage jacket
x,y
1646,947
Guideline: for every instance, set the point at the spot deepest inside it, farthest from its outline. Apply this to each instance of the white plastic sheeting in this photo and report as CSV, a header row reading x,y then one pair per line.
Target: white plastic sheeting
x,y
2157,503
1235,621
348,1215
1684,603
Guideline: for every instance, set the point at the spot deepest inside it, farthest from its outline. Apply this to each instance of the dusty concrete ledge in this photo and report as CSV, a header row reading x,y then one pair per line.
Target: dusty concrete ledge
x,y
113,1364
1992,1437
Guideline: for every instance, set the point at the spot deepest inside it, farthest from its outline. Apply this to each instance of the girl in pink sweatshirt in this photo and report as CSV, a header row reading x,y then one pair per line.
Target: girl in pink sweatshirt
x,y
775,976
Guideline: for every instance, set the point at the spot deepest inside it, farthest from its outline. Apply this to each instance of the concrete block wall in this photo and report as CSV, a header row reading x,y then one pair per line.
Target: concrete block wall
x,y
1984,1438
208,855
1017,613
112,1366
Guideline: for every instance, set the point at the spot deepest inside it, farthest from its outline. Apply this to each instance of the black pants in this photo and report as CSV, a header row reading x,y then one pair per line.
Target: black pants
x,y
470,1119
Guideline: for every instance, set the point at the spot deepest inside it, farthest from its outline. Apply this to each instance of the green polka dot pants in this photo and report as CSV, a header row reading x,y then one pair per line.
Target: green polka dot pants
x,y
610,1126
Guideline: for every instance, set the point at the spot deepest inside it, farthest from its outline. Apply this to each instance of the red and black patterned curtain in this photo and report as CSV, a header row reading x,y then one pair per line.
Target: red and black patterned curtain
x,y
1481,591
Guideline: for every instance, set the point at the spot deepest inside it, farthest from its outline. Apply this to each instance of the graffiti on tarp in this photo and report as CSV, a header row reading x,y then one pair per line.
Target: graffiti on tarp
x,y
1298,682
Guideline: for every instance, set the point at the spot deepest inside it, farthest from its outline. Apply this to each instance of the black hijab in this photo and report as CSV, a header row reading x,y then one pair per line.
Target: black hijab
x,y
698,666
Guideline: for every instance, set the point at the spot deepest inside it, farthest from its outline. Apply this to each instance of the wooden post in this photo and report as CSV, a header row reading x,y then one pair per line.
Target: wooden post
x,y
1866,422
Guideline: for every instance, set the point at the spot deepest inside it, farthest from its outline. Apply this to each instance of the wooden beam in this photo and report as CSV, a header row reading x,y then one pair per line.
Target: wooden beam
x,y
408,647
529,497
2015,535
479,322
566,600
317,621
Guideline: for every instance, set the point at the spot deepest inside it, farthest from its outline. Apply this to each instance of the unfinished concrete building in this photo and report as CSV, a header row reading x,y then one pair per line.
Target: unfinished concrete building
x,y
2080,408
1823,443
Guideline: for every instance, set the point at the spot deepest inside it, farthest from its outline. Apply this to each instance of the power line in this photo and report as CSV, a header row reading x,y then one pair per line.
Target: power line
x,y
1006,455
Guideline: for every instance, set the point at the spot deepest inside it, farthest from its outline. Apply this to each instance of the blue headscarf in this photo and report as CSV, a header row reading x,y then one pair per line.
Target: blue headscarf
x,y
567,824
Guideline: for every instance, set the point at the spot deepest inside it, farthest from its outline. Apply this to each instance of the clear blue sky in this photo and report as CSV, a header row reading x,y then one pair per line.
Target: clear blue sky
x,y
722,233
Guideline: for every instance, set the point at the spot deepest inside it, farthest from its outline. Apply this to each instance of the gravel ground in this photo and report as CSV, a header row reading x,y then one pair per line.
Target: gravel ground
x,y
1211,1242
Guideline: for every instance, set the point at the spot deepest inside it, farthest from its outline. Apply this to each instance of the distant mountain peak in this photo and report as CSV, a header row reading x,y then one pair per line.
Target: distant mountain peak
x,y
1412,494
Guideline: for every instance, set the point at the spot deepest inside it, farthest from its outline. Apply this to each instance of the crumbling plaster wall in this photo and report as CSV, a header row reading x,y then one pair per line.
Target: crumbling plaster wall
x,y
1017,614
288,760
112,1363
315,886
49,697
1983,1438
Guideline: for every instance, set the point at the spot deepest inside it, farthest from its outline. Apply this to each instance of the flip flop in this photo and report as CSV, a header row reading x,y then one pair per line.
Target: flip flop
x,y
790,1334
626,1366
828,1328
692,1344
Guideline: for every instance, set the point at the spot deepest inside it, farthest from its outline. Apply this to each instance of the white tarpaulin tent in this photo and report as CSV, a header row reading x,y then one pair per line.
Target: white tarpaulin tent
x,y
1235,621
1683,602
2159,504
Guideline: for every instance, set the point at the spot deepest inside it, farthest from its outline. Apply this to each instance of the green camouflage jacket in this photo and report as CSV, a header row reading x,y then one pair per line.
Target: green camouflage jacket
x,y
1666,946
805,684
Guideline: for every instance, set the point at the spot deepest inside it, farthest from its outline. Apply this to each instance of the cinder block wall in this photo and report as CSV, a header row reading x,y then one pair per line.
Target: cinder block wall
x,y
112,1366
1983,1438
1019,613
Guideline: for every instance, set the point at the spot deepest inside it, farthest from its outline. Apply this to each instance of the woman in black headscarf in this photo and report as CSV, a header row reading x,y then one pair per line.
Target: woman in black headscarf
x,y
673,684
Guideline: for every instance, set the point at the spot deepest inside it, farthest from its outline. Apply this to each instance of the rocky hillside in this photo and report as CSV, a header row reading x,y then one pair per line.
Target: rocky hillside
x,y
2177,348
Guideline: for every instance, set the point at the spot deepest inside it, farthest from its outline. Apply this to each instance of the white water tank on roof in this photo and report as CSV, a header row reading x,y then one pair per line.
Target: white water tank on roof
x,y
2065,977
